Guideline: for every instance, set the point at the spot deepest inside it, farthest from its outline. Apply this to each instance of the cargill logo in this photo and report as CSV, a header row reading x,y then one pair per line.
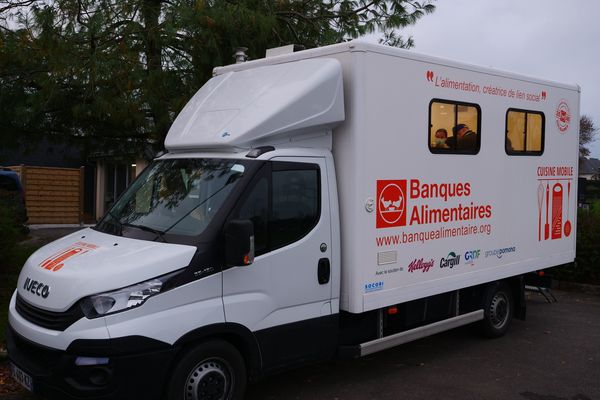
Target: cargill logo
x,y
391,203
451,261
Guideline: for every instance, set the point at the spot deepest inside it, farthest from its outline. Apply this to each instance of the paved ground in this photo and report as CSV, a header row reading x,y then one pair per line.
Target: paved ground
x,y
554,355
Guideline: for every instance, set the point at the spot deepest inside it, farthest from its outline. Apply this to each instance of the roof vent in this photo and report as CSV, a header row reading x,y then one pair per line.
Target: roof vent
x,y
290,48
240,55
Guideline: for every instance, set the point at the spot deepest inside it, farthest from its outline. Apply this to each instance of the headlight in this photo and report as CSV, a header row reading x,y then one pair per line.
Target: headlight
x,y
126,298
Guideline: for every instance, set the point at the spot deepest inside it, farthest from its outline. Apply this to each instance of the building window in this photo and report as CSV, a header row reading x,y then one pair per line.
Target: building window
x,y
524,132
454,127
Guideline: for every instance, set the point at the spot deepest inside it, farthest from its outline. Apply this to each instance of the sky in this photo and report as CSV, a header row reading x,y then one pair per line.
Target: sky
x,y
548,39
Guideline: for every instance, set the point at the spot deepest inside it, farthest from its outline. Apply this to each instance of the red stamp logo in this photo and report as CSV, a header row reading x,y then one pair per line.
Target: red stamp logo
x,y
391,203
56,261
563,116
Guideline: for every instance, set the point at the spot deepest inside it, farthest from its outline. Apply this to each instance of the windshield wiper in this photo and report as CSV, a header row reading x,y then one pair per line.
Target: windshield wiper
x,y
159,234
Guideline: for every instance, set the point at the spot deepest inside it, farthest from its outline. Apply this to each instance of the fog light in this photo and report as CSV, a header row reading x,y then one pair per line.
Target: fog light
x,y
99,376
82,361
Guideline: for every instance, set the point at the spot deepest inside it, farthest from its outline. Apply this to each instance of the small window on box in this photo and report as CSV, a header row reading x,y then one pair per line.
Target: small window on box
x,y
454,127
524,132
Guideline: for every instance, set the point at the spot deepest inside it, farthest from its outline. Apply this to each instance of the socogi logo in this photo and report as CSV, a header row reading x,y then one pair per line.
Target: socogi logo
x,y
373,286
37,288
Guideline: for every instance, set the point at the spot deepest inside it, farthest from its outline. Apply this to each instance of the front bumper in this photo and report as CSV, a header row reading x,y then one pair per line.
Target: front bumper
x,y
138,367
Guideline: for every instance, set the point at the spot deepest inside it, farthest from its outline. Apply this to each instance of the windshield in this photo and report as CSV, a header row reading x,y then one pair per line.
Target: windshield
x,y
178,196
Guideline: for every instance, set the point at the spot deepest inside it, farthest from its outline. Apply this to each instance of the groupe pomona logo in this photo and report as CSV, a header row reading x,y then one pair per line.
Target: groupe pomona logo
x,y
391,203
563,116
56,261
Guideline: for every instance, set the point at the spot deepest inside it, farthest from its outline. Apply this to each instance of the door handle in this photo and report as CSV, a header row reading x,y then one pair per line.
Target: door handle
x,y
323,271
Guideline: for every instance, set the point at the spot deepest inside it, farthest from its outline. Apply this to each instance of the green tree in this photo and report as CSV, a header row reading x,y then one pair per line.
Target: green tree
x,y
587,134
121,70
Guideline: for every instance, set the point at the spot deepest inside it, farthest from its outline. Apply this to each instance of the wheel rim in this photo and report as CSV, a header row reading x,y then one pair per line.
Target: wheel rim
x,y
210,379
499,310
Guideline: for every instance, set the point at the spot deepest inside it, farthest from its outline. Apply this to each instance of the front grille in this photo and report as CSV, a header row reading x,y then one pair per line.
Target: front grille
x,y
57,321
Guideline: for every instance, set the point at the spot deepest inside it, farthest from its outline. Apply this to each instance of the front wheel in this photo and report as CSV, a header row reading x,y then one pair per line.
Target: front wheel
x,y
498,310
213,370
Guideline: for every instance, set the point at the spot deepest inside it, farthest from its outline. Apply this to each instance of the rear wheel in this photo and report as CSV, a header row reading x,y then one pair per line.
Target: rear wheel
x,y
498,310
213,370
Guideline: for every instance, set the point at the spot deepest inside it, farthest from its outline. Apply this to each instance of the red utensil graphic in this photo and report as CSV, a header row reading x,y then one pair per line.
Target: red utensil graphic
x,y
540,203
568,223
547,226
557,208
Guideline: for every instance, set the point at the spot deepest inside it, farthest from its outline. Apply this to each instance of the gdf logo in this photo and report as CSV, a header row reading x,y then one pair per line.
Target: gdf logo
x,y
471,256
391,203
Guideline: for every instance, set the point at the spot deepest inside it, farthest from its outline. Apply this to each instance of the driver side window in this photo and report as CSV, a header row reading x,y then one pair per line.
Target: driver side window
x,y
283,204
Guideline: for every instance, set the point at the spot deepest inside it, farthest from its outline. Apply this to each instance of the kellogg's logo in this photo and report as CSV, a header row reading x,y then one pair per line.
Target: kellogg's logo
x,y
391,203
450,261
563,116
419,264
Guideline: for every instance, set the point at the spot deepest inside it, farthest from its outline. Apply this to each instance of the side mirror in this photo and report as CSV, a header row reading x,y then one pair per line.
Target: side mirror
x,y
239,243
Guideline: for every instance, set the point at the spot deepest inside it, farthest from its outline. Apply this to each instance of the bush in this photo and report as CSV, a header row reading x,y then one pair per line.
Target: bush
x,y
11,230
586,268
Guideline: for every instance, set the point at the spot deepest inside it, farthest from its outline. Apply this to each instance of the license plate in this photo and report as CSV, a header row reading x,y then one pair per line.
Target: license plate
x,y
22,377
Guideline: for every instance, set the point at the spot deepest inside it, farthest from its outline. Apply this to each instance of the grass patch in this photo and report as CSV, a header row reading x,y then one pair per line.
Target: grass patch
x,y
10,266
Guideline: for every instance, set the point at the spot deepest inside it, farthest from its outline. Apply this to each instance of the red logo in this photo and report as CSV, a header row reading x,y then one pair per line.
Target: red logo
x,y
563,116
57,260
543,95
391,203
429,76
420,264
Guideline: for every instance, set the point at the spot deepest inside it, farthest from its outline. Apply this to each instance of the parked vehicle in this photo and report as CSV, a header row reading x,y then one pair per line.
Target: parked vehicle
x,y
330,202
12,196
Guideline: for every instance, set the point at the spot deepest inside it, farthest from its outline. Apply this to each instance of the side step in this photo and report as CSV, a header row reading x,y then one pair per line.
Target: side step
x,y
376,345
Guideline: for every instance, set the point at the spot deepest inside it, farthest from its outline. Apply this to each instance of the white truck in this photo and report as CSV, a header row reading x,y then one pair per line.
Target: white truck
x,y
329,202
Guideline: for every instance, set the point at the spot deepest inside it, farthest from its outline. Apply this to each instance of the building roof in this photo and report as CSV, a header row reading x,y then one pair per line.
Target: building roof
x,y
589,166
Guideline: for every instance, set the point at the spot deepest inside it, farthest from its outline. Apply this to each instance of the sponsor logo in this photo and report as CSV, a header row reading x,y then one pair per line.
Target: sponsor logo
x,y
56,261
419,264
408,202
471,256
373,286
451,260
37,288
563,116
391,203
500,252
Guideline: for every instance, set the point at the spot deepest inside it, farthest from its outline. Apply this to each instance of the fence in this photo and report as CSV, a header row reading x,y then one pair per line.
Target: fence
x,y
52,195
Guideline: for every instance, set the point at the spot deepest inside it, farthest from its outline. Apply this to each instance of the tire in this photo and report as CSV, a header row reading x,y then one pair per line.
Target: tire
x,y
498,310
213,370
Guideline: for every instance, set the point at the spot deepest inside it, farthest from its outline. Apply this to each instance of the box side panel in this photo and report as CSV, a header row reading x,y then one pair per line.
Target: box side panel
x,y
460,220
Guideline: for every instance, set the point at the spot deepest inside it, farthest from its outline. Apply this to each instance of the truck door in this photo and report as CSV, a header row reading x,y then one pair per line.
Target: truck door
x,y
284,297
